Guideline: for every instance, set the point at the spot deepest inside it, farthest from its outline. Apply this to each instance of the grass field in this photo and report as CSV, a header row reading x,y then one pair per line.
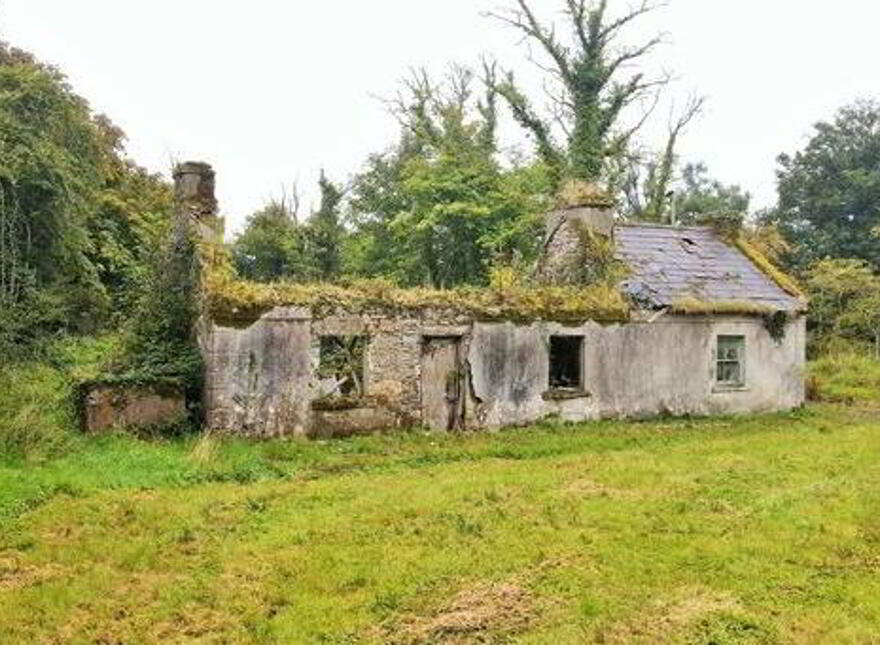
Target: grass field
x,y
748,530
736,530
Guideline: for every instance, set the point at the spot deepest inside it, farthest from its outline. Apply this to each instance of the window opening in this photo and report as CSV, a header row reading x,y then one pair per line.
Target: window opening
x,y
342,360
566,353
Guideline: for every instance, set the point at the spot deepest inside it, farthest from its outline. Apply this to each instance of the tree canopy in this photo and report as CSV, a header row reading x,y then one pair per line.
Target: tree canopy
x,y
829,192
77,218
438,208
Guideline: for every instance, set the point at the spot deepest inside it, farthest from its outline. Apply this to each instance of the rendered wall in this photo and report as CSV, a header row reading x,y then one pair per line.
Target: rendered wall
x,y
261,379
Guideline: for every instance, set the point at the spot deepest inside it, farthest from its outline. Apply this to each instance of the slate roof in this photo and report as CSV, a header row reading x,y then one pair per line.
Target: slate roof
x,y
671,263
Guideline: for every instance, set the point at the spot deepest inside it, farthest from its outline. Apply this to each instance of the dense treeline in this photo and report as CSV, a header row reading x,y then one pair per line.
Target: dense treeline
x,y
445,204
78,219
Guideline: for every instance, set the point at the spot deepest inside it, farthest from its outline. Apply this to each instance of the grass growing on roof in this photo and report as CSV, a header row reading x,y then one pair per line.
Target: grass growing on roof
x,y
696,306
230,298
782,279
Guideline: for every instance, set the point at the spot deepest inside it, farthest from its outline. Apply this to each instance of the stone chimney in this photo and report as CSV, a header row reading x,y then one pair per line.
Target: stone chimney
x,y
586,213
194,197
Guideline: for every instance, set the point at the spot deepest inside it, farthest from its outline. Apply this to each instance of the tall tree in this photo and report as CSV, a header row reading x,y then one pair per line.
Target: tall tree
x,y
325,232
700,194
829,192
593,87
686,196
74,211
438,208
272,245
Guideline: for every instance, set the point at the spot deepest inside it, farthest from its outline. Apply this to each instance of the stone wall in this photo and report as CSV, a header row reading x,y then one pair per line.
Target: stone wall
x,y
261,379
563,254
128,406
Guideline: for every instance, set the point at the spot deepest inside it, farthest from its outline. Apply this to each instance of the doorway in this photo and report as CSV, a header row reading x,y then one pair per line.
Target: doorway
x,y
443,383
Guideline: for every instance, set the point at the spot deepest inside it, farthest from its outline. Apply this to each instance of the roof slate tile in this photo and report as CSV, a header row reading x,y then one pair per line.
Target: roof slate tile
x,y
668,264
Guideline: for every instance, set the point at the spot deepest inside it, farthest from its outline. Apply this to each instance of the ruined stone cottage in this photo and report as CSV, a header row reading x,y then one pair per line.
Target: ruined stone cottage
x,y
703,326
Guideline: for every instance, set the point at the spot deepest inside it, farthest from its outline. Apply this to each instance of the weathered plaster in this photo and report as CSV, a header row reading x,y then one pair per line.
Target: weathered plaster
x,y
262,379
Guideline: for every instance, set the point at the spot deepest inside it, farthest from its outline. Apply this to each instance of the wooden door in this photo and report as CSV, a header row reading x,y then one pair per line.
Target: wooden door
x,y
442,384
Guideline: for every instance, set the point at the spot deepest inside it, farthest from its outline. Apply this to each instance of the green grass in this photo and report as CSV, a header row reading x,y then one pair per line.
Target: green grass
x,y
846,378
747,530
37,417
760,529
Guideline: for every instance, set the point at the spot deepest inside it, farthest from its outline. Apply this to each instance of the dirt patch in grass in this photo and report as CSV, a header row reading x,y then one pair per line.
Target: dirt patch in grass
x,y
667,619
16,575
479,614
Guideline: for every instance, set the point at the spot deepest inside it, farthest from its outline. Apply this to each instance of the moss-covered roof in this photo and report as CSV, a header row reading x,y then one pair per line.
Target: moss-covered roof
x,y
232,299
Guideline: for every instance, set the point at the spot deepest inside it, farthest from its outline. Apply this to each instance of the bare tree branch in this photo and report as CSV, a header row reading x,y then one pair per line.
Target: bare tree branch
x,y
540,130
525,21
632,54
577,9
607,32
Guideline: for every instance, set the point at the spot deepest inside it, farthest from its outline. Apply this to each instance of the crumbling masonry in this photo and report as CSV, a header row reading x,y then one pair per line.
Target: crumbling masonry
x,y
329,371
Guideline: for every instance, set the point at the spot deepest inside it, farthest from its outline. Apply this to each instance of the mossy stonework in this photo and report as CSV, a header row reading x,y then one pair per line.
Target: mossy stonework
x,y
646,330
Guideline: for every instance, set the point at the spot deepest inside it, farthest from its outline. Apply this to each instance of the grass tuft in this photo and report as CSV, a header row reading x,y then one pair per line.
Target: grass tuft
x,y
845,378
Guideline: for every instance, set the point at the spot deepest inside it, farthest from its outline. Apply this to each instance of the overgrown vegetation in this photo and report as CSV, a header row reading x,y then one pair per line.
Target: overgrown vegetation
x,y
232,300
77,218
846,305
845,377
38,399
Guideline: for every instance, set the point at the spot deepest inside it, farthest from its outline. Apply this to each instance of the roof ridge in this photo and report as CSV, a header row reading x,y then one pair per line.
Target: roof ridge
x,y
666,227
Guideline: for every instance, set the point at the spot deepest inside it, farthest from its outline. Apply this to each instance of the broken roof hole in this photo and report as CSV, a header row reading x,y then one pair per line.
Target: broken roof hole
x,y
688,245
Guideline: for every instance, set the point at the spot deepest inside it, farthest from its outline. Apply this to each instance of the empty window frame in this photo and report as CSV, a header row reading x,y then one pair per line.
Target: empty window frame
x,y
566,362
730,361
342,360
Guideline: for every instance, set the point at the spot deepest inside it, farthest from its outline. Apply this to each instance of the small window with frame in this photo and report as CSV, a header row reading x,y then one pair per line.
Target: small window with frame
x,y
730,362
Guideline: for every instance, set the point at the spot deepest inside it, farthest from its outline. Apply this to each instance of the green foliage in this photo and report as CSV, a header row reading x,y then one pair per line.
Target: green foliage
x,y
74,214
325,233
37,399
845,302
701,195
272,246
439,210
845,377
160,344
829,193
590,88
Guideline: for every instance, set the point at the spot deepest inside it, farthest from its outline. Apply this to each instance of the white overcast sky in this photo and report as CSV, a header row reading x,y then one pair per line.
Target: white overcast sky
x,y
269,91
